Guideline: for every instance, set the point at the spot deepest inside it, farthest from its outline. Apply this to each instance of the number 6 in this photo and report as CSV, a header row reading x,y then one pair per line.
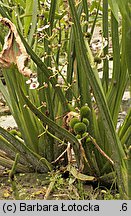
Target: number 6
x,y
124,207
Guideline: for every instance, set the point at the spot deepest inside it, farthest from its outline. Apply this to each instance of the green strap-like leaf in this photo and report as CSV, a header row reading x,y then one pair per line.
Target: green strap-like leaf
x,y
38,163
56,128
8,163
117,150
114,7
28,15
48,73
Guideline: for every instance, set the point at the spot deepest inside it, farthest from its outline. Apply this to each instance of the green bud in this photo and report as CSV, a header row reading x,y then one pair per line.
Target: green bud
x,y
78,136
88,139
84,134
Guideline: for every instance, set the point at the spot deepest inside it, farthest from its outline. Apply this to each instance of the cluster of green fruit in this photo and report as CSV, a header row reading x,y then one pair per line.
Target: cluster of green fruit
x,y
80,126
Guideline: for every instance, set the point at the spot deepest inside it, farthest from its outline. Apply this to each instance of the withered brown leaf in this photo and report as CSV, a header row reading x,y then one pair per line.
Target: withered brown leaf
x,y
14,50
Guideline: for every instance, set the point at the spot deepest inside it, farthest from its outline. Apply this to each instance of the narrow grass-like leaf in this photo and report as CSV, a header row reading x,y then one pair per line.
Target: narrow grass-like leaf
x,y
9,163
11,151
105,79
52,13
85,7
20,114
48,73
38,163
127,36
94,22
129,172
114,7
33,21
119,74
125,128
117,151
61,131
5,94
28,15
3,12
122,7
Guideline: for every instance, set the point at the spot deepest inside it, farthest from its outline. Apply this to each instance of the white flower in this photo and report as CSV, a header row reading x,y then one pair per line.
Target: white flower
x,y
28,82
33,82
34,85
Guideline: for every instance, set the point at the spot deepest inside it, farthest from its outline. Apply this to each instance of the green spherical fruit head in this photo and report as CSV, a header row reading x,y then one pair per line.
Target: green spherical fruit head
x,y
85,112
73,122
86,121
80,128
